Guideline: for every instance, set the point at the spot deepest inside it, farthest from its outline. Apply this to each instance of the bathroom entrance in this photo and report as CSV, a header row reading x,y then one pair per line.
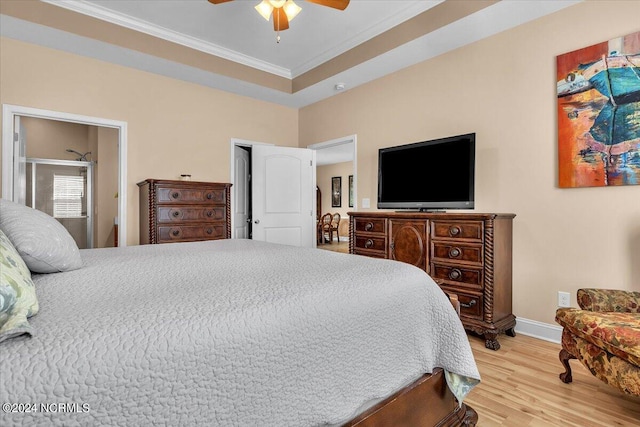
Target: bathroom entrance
x,y
70,171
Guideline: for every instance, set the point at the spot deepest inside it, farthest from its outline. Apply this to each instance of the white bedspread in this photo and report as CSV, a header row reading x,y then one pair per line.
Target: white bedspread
x,y
230,332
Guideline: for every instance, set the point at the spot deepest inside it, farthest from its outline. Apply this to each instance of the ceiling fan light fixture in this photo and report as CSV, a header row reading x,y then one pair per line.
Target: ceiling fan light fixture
x,y
284,11
264,9
291,9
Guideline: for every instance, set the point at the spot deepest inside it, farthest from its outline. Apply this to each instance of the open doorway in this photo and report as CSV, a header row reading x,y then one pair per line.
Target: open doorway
x,y
70,167
273,193
336,174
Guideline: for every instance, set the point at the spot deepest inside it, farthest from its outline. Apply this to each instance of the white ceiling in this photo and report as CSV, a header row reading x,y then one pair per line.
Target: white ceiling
x,y
237,32
335,153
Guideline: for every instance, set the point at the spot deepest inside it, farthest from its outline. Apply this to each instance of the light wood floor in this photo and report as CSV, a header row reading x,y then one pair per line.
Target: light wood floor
x,y
335,246
520,387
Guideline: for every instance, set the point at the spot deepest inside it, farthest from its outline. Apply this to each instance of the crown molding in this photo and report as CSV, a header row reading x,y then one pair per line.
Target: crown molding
x,y
142,26
374,30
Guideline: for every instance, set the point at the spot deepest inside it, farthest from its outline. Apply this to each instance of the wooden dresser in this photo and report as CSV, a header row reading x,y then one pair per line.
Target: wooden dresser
x,y
183,211
468,254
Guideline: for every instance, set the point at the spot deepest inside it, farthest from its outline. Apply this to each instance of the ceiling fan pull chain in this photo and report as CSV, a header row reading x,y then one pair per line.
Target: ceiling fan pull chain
x,y
277,16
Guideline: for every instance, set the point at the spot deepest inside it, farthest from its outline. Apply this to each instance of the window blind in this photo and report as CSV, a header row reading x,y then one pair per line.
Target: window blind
x,y
67,196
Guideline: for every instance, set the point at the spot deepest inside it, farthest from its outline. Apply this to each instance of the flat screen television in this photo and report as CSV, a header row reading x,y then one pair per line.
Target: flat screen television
x,y
429,175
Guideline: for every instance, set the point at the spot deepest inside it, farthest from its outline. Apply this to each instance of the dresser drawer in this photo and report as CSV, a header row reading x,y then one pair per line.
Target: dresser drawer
x,y
183,233
371,225
458,252
190,214
370,254
190,195
371,243
454,275
471,305
472,230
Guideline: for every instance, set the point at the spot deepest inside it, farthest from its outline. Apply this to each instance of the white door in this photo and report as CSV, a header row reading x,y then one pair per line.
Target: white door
x,y
283,195
241,209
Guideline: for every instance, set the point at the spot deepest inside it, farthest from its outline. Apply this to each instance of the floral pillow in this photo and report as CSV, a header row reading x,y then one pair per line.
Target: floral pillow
x,y
42,242
17,293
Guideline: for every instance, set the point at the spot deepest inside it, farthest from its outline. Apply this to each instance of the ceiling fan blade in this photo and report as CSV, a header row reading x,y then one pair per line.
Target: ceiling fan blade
x,y
336,4
280,20
218,1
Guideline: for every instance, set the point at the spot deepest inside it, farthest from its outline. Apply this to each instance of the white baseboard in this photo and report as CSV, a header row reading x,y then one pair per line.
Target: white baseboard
x,y
540,330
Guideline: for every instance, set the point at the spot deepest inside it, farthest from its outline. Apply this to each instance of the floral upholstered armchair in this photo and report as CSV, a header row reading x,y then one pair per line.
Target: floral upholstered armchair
x,y
605,336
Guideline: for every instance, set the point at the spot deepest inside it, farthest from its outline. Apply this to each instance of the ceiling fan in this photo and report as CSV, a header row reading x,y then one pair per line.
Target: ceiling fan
x,y
285,10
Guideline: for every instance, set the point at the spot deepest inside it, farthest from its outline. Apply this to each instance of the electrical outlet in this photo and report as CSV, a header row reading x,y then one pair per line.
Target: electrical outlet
x,y
564,299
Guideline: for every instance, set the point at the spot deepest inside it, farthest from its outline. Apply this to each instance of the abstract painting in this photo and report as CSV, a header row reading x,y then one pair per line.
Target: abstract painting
x,y
598,90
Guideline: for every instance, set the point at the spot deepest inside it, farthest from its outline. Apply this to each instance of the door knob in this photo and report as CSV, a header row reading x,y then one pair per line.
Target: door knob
x,y
257,221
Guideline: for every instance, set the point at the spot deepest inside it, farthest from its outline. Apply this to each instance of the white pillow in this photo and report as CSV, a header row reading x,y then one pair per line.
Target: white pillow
x,y
42,242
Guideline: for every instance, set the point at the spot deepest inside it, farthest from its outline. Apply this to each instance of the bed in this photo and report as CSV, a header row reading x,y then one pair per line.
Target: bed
x,y
237,333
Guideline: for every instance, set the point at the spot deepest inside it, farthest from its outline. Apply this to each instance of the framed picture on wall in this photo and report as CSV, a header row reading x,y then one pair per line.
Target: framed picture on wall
x,y
350,191
598,95
336,191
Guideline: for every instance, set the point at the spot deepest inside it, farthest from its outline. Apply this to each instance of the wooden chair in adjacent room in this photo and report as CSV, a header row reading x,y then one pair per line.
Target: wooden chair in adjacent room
x,y
335,223
324,228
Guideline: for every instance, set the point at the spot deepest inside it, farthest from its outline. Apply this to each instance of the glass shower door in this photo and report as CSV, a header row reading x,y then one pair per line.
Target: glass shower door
x,y
62,189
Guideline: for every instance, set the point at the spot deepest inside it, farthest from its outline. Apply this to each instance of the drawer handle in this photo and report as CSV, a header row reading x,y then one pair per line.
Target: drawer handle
x,y
175,195
368,243
455,274
454,230
455,252
368,226
176,213
209,230
468,305
209,196
175,232
209,214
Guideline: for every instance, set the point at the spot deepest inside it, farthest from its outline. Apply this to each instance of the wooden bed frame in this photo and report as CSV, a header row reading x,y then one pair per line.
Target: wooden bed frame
x,y
426,402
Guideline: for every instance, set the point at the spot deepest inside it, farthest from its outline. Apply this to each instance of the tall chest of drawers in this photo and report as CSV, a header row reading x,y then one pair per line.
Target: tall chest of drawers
x,y
469,254
183,211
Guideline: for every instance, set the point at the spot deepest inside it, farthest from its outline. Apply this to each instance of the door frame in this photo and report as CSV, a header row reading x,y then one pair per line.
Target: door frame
x,y
8,119
341,141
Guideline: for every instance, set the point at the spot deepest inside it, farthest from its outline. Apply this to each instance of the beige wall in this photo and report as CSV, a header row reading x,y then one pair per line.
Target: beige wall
x,y
174,127
503,88
103,142
48,139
